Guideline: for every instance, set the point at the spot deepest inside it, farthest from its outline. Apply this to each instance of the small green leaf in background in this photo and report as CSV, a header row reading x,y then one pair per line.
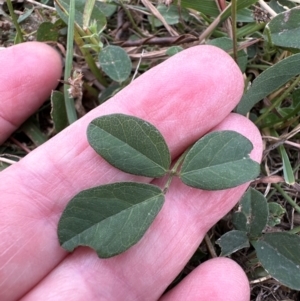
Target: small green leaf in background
x,y
279,255
245,15
219,160
280,6
3,165
109,218
227,44
130,144
253,213
97,14
109,92
31,129
58,111
207,7
28,9
269,81
276,213
284,29
173,50
47,31
87,12
170,14
115,62
288,172
233,241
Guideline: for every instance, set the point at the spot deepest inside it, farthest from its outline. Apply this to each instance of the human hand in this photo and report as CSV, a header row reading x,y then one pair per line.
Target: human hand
x,y
185,97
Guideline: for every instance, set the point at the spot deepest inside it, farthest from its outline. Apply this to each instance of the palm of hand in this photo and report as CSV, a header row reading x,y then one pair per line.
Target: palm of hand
x,y
184,98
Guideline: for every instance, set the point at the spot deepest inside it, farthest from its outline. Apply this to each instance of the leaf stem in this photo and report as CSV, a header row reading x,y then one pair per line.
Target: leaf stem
x,y
174,171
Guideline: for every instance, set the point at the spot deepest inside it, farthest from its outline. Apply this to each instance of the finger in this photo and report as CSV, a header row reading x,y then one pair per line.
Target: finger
x,y
184,90
145,271
29,72
217,279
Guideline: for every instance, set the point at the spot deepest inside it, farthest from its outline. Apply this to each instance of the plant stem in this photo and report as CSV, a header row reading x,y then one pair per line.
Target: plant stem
x,y
174,170
69,101
90,60
249,29
287,197
210,246
234,37
131,19
19,37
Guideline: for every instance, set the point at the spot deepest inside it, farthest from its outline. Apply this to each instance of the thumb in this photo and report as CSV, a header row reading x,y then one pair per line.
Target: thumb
x,y
217,279
29,72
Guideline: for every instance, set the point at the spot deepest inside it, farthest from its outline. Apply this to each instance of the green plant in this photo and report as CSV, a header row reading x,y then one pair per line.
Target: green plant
x,y
264,41
278,252
113,217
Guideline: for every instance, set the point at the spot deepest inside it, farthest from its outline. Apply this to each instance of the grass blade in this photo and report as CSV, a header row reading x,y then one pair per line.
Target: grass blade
x,y
69,101
88,8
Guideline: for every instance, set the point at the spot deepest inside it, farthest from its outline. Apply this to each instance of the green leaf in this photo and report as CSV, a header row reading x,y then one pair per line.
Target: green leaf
x,y
58,111
209,7
233,241
173,50
280,6
28,9
276,213
284,29
47,31
219,160
269,81
245,15
227,44
170,14
109,92
130,144
115,62
108,9
87,12
288,172
32,130
253,213
279,255
96,15
109,218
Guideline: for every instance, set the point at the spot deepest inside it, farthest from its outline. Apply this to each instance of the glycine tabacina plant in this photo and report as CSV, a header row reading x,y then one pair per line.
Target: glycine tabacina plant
x,y
111,218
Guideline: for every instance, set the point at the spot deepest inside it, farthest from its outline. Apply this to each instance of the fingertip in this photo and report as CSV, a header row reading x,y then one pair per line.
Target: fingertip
x,y
30,62
211,63
217,279
29,71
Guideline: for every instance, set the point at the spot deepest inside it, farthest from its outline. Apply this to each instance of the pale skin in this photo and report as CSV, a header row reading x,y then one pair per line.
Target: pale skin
x,y
185,97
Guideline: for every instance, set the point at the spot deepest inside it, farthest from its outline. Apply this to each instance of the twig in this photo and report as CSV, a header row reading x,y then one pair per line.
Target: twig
x,y
137,67
186,38
41,5
210,246
264,5
158,15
